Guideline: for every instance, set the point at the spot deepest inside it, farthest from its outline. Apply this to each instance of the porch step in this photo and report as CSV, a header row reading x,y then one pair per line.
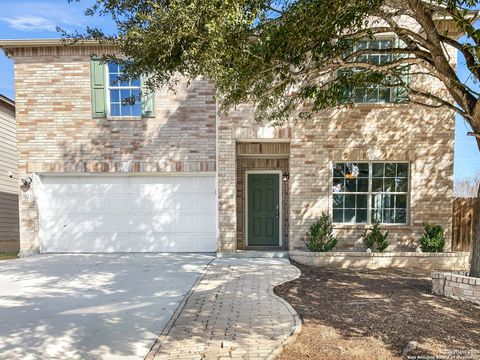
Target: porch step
x,y
254,254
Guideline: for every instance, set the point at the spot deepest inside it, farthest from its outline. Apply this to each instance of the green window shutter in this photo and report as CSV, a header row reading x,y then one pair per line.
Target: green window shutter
x,y
97,70
148,99
400,94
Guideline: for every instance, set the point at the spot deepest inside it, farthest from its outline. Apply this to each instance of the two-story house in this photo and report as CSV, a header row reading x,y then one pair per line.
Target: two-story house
x,y
108,170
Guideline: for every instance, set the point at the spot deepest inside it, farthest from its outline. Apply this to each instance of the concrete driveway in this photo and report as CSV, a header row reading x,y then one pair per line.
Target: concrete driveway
x,y
105,306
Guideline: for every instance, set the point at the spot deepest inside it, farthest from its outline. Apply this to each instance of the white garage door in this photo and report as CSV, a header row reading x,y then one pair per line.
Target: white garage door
x,y
127,214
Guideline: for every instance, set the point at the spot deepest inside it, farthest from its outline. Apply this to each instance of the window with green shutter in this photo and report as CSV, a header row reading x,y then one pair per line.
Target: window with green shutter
x,y
117,97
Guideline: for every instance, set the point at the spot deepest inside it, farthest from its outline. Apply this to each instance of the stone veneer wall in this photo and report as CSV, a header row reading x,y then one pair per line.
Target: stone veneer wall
x,y
56,131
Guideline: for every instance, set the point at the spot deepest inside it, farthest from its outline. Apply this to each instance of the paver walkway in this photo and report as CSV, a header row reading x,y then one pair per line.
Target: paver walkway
x,y
231,313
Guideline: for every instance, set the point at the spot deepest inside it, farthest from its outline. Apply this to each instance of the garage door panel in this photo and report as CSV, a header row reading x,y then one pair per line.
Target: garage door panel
x,y
81,204
121,214
205,224
203,203
204,184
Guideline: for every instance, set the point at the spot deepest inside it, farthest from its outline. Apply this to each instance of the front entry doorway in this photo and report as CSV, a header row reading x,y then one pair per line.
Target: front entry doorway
x,y
264,209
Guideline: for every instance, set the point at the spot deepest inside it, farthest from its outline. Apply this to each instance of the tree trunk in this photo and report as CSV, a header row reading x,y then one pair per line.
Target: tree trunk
x,y
475,255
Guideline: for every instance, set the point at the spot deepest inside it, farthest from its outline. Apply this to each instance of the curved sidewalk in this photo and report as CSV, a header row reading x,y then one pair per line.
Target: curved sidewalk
x,y
232,313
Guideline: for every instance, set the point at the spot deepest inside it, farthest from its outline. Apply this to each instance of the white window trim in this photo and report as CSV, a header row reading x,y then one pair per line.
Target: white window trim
x,y
370,193
107,96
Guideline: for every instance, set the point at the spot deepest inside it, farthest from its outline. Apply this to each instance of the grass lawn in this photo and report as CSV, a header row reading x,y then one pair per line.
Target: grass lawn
x,y
6,256
377,314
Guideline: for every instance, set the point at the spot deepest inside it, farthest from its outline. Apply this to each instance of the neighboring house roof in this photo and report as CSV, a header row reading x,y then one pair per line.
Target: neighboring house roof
x,y
7,101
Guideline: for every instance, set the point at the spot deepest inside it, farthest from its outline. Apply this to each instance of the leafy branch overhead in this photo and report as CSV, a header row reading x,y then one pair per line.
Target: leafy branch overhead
x,y
281,55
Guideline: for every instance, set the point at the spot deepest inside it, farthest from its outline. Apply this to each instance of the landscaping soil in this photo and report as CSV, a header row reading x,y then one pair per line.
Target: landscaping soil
x,y
377,314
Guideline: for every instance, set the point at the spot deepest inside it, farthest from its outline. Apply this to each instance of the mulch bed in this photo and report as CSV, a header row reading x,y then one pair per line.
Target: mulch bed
x,y
377,314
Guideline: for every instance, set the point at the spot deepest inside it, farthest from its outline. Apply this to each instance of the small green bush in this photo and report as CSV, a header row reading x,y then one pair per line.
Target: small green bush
x,y
320,235
433,239
375,240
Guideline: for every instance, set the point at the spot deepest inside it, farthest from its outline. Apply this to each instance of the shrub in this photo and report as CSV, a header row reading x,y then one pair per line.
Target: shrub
x,y
433,239
320,235
375,240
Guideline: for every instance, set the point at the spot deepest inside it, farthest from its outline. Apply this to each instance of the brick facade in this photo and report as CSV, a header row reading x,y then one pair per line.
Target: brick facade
x,y
56,134
56,131
423,137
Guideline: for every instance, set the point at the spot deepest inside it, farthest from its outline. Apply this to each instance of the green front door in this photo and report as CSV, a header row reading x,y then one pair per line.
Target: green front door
x,y
263,209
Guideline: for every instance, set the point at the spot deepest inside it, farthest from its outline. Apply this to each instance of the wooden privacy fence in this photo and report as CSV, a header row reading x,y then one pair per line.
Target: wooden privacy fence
x,y
464,212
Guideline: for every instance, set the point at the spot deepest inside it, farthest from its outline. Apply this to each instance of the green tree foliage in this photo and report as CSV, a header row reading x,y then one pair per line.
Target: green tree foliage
x,y
320,235
283,56
433,239
374,239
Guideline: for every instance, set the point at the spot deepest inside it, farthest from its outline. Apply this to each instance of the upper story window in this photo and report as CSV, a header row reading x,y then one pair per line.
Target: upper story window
x,y
123,95
118,98
370,192
374,93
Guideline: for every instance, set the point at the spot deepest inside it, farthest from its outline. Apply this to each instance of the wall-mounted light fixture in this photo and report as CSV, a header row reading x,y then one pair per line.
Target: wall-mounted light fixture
x,y
285,176
27,181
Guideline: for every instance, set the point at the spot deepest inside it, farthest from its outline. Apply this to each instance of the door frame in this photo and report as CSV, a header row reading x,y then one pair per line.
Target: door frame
x,y
280,203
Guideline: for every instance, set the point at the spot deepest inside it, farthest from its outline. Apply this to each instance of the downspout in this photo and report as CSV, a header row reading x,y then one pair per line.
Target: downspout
x,y
217,212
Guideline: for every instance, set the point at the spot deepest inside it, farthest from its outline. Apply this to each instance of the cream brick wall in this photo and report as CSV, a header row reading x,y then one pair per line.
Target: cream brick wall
x,y
56,131
419,135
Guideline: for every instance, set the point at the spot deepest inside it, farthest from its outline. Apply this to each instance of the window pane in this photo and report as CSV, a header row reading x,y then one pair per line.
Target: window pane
x,y
377,185
349,215
338,170
124,82
136,109
338,201
135,82
337,215
362,185
338,185
349,201
376,215
386,44
115,109
402,184
372,94
377,170
389,185
112,67
360,95
350,185
363,170
400,216
401,201
113,80
402,170
390,170
115,96
361,216
388,216
125,96
384,94
361,201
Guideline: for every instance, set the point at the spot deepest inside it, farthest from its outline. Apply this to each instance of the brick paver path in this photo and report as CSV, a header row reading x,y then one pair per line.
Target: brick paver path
x,y
231,313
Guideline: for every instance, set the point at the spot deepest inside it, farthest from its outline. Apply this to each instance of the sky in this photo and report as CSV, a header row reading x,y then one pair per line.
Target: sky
x,y
21,19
